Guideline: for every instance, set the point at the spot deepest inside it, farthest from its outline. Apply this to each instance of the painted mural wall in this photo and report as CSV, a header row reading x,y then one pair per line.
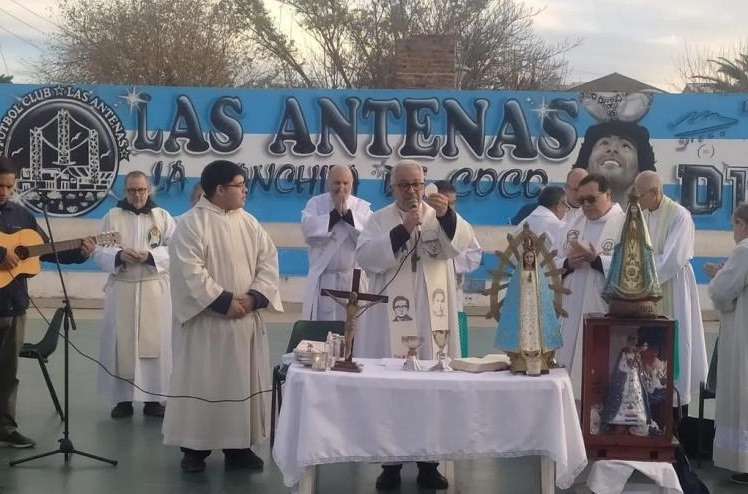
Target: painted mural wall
x,y
76,143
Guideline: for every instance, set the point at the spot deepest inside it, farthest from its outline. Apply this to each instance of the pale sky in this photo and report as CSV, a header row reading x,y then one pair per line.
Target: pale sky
x,y
642,39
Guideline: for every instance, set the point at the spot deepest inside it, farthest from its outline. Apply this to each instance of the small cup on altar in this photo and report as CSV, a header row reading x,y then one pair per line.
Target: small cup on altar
x,y
319,361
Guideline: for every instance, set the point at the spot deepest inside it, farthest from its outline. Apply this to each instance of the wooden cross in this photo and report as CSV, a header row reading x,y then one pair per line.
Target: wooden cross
x,y
352,313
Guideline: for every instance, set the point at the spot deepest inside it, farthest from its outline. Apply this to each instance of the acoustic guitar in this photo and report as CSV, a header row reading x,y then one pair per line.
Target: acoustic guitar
x,y
28,245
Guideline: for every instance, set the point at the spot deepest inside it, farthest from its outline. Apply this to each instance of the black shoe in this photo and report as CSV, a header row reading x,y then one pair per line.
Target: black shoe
x,y
739,478
122,410
192,463
16,440
153,409
430,478
242,459
389,479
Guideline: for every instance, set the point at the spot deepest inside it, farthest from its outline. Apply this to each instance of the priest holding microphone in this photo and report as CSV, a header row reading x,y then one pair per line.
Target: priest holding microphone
x,y
406,251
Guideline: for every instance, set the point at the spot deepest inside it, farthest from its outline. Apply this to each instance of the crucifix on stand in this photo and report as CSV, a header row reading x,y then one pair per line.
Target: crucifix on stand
x,y
350,301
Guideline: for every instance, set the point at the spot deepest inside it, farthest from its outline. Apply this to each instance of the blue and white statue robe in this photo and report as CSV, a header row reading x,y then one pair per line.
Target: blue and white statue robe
x,y
514,320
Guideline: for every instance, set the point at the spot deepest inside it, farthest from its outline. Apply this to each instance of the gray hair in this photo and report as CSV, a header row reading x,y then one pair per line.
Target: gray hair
x,y
741,212
403,164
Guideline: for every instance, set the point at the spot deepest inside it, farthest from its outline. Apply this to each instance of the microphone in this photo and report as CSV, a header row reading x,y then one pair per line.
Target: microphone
x,y
414,204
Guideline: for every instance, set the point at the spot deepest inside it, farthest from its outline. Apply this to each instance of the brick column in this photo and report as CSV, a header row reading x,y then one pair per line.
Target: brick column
x,y
425,62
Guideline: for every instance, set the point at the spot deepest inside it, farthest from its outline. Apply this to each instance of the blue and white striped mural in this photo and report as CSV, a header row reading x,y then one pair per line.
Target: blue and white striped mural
x,y
498,148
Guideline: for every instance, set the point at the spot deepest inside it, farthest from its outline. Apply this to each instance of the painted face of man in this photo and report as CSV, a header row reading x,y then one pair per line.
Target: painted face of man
x,y
616,158
439,301
401,307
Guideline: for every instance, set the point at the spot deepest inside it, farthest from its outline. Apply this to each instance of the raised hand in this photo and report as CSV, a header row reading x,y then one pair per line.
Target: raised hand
x,y
439,202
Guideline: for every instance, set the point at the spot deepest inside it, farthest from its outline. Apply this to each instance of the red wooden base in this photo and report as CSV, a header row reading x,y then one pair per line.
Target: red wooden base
x,y
632,453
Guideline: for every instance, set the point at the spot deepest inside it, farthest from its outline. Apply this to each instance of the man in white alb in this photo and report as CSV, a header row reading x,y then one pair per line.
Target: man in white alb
x,y
673,235
399,262
585,248
548,217
224,271
572,191
331,223
135,342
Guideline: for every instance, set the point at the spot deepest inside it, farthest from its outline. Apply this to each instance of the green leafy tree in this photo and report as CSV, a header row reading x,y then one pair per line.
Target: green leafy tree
x,y
6,79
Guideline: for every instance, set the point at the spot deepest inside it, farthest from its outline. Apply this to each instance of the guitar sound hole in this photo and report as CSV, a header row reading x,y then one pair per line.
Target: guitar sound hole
x,y
22,252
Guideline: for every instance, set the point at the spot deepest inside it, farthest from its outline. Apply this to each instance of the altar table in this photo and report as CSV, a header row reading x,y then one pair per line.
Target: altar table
x,y
385,414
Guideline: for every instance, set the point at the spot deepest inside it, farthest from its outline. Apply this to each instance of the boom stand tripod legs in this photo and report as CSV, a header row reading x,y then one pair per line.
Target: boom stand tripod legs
x,y
66,445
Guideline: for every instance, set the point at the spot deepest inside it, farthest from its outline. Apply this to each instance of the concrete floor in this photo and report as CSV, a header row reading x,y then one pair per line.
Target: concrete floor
x,y
145,465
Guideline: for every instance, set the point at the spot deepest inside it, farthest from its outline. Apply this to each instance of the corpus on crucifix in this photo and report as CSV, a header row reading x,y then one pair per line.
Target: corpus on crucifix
x,y
350,300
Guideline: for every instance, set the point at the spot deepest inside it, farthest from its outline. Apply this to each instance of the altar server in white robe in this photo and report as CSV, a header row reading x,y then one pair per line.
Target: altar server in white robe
x,y
673,235
406,250
224,271
135,342
548,217
331,223
729,293
585,248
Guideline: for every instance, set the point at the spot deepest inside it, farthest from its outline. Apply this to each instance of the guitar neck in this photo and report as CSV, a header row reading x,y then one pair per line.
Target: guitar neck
x,y
43,249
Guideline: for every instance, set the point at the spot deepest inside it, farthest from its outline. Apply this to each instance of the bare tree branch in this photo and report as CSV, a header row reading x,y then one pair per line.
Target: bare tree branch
x,y
166,42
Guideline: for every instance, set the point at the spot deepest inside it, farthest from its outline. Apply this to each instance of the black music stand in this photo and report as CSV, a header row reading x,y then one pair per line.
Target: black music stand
x,y
66,444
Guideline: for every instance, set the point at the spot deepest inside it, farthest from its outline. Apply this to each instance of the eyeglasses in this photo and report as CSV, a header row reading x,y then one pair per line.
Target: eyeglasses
x,y
416,186
589,199
142,190
238,186
401,307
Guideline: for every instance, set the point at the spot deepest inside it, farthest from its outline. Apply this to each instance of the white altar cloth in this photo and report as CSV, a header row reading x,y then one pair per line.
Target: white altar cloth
x,y
385,414
611,476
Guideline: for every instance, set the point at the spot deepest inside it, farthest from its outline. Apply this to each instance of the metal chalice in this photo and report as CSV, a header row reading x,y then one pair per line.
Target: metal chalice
x,y
411,361
441,336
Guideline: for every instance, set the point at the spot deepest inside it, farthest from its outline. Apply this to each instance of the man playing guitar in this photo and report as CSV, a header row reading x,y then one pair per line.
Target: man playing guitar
x,y
14,300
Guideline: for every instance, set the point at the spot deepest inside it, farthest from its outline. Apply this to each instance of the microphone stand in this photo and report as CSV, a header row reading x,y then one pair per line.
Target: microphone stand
x,y
66,444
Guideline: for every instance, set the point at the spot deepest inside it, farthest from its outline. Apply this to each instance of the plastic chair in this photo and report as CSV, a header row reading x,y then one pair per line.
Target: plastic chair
x,y
43,349
302,330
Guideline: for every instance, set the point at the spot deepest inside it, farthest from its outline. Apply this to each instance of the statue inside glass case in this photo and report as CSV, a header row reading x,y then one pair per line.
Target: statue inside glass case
x,y
528,326
628,402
